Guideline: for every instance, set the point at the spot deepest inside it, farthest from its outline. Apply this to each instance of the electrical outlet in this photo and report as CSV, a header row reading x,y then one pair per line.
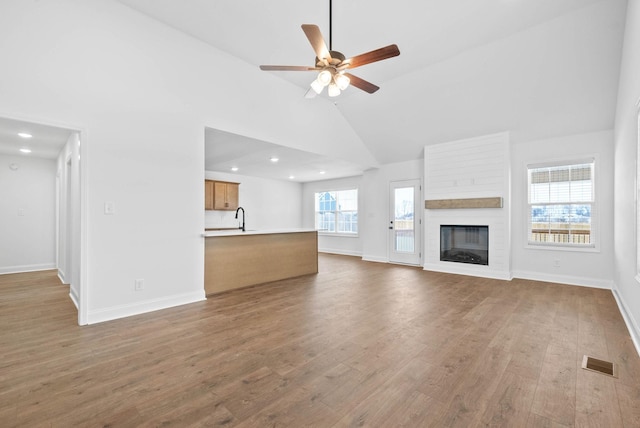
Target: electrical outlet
x,y
109,208
556,263
138,285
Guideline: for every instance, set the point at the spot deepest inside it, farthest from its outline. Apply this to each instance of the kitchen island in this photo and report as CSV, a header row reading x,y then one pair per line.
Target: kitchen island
x,y
236,259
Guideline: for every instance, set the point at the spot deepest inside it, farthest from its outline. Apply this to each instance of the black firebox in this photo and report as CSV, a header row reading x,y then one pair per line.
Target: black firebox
x,y
464,244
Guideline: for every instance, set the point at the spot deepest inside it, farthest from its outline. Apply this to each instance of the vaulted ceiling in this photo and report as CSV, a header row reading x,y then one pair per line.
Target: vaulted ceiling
x,y
535,68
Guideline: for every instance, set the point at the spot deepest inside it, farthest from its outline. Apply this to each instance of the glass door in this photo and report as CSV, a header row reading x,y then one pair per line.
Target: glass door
x,y
405,222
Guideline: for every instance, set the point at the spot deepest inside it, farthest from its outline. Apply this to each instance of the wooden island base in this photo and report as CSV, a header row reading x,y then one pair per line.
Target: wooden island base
x,y
241,260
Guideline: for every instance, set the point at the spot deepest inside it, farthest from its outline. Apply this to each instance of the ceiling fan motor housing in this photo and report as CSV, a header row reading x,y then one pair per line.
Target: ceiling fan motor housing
x,y
336,59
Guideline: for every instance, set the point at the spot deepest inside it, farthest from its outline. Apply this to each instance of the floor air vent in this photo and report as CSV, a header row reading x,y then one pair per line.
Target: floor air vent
x,y
599,366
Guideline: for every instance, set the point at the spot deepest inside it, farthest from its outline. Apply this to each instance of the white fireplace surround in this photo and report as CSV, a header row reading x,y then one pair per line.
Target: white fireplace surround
x,y
466,169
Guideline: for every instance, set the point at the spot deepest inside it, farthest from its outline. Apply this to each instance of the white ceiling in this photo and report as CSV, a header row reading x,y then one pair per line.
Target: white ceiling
x,y
535,68
224,150
46,141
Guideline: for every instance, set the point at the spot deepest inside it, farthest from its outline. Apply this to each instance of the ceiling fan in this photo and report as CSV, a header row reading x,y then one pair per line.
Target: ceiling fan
x,y
333,65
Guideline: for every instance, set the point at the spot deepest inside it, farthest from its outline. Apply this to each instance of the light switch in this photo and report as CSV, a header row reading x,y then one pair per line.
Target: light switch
x,y
109,208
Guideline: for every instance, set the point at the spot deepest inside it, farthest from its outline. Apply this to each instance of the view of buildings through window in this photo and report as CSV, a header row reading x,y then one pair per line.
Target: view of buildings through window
x,y
337,211
561,204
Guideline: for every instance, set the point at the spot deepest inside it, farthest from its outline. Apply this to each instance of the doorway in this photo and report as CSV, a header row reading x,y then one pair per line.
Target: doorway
x,y
405,222
49,153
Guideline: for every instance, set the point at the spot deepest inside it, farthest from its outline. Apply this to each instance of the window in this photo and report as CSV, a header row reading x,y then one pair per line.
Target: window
x,y
562,204
337,211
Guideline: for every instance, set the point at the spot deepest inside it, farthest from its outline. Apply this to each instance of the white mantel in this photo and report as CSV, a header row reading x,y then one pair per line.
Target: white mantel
x,y
466,169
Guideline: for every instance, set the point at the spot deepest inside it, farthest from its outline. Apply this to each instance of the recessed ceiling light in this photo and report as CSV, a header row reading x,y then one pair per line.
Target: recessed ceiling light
x,y
25,150
274,159
234,168
291,177
322,172
25,135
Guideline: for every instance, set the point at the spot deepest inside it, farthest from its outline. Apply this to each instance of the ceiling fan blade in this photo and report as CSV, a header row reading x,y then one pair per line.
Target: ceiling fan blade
x,y
361,83
373,56
287,68
317,41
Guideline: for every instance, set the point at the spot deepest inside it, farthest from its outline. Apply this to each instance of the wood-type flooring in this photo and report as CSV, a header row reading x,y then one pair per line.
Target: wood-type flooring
x,y
359,344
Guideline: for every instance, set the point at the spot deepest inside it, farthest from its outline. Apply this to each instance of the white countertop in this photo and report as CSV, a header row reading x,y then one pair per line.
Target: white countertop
x,y
238,232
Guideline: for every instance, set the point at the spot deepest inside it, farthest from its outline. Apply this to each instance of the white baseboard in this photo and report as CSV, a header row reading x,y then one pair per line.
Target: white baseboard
x,y
375,259
74,298
27,268
565,279
61,277
340,252
632,324
470,270
108,314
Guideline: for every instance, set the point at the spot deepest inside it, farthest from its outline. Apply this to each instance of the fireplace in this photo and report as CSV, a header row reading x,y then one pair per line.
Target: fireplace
x,y
464,244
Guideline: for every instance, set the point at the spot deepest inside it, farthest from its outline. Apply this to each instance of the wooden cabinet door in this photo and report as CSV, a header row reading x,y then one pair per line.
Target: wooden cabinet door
x,y
232,196
208,195
221,195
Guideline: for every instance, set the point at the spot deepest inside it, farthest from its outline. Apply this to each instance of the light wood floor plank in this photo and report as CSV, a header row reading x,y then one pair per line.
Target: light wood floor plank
x,y
359,344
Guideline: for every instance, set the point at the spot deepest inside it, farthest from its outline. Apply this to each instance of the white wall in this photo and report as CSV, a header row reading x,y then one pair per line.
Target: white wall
x,y
627,288
590,268
372,242
268,204
27,214
143,94
375,216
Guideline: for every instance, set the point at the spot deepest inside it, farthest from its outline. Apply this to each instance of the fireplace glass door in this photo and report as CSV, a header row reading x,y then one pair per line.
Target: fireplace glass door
x,y
464,244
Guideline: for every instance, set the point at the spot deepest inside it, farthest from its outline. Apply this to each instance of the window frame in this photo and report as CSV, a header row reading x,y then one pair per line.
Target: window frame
x,y
594,246
336,232
637,191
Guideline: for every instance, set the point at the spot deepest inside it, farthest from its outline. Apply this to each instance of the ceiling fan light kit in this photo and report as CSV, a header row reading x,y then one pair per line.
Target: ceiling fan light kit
x,y
333,90
336,81
332,65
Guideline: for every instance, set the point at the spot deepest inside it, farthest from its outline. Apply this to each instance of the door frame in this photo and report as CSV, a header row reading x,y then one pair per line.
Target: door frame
x,y
80,229
415,258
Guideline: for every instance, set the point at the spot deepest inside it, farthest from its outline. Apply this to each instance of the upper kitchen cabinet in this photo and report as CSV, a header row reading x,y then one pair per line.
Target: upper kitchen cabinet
x,y
220,195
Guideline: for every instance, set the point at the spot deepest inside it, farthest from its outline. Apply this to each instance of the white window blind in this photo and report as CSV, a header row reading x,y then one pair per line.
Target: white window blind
x,y
562,204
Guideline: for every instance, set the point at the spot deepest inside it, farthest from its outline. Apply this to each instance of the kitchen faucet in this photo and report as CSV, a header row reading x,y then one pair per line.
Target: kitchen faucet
x,y
243,216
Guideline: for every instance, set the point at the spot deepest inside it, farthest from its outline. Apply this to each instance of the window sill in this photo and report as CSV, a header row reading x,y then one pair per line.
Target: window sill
x,y
339,235
543,247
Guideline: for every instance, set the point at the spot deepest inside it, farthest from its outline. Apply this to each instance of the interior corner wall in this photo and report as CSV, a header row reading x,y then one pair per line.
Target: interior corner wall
x,y
376,210
626,286
373,209
268,204
27,214
587,268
